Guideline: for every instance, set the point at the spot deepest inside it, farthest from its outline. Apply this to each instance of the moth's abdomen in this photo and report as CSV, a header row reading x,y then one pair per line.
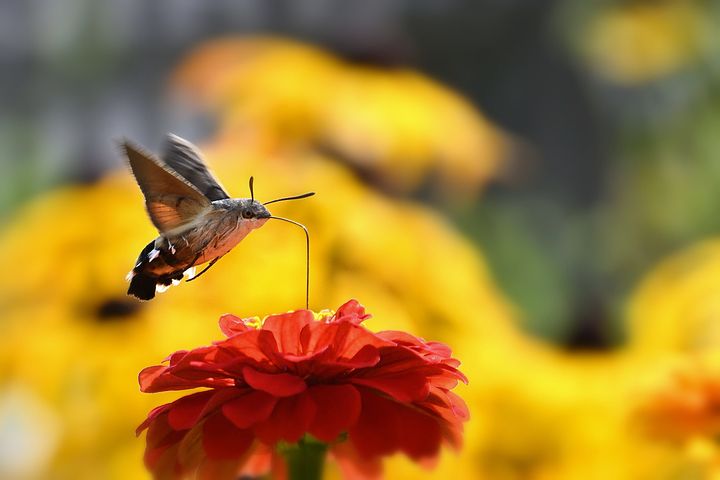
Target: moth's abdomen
x,y
164,260
142,286
225,236
157,267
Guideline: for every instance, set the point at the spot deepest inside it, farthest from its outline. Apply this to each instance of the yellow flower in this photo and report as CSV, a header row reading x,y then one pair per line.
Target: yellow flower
x,y
675,407
681,401
402,128
677,306
638,42
260,86
399,128
567,416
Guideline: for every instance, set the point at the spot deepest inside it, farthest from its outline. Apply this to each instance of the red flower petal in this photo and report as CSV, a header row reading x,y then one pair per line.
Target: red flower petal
x,y
345,339
404,387
259,462
175,357
163,460
149,375
254,345
192,370
351,311
231,325
367,356
331,420
221,396
154,413
419,435
223,440
160,434
374,434
297,360
286,328
185,412
152,457
249,409
297,375
289,421
446,406
386,426
278,384
459,408
190,452
216,470
355,466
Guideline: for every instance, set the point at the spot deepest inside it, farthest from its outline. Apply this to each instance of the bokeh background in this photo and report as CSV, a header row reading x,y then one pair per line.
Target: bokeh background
x,y
535,183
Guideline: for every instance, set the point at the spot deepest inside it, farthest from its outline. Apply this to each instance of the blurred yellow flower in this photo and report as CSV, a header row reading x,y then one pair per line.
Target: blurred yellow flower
x,y
682,400
636,42
405,131
676,308
400,129
676,405
261,87
673,320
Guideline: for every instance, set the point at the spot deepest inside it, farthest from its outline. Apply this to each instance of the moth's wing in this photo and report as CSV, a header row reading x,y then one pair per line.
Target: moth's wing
x,y
172,202
184,157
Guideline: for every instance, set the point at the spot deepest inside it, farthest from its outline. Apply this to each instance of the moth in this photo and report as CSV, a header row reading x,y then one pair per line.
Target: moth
x,y
197,220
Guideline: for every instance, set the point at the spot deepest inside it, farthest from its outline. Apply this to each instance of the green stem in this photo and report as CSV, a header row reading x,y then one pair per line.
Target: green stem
x,y
305,459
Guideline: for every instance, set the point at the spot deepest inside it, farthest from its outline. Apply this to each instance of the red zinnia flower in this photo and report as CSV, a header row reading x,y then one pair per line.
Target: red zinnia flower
x,y
299,373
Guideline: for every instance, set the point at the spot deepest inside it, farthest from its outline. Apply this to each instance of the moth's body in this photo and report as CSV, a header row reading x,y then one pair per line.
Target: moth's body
x,y
211,235
197,220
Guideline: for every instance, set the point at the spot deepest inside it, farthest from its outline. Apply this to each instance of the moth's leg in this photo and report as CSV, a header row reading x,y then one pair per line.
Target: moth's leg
x,y
167,244
212,262
165,247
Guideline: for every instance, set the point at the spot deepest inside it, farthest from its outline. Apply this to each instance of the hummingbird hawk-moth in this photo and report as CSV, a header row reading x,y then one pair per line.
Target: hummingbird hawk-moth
x,y
198,221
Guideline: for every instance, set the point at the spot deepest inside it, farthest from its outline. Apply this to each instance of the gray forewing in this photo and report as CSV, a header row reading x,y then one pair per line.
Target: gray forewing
x,y
184,158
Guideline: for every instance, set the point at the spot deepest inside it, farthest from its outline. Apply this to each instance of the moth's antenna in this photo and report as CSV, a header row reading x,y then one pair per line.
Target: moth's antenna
x,y
296,197
307,257
252,192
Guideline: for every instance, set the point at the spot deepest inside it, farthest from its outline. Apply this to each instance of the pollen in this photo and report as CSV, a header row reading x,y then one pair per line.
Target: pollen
x,y
253,322
324,315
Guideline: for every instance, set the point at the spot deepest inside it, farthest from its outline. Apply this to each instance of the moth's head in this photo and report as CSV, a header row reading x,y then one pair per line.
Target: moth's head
x,y
250,209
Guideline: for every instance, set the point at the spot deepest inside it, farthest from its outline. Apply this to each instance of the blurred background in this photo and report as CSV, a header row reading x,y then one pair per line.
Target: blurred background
x,y
534,183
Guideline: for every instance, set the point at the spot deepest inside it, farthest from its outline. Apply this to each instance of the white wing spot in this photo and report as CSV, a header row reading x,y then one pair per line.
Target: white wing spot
x,y
190,273
154,253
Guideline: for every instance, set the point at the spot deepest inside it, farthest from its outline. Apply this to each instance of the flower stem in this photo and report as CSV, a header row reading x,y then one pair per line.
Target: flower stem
x,y
305,459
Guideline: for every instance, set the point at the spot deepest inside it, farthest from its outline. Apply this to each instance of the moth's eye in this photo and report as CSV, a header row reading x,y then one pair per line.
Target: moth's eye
x,y
247,214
